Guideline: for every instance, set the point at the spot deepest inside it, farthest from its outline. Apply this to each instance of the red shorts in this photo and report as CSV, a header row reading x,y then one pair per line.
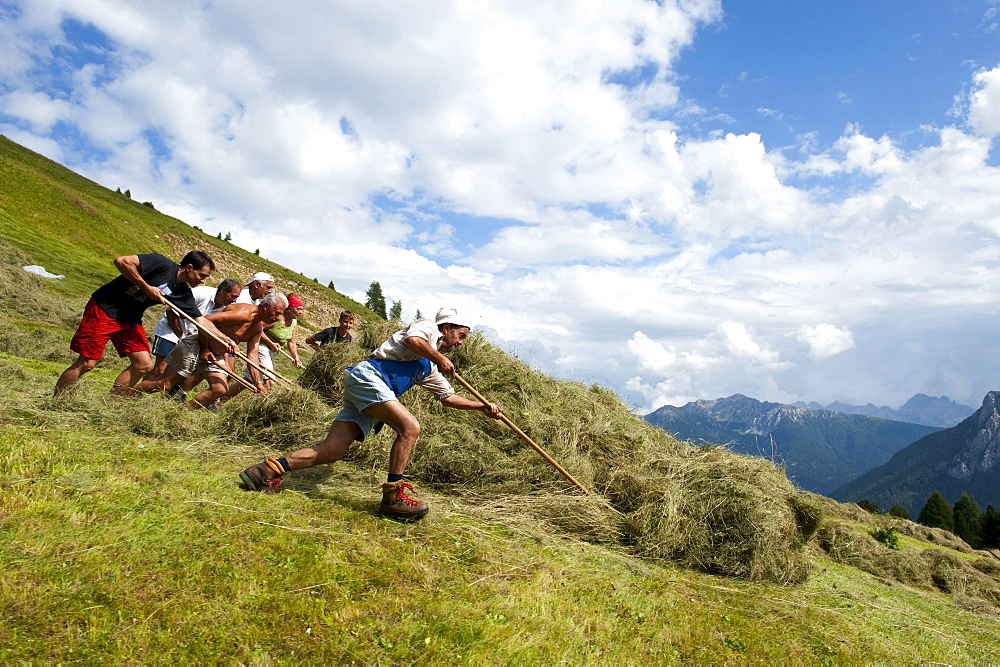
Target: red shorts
x,y
97,328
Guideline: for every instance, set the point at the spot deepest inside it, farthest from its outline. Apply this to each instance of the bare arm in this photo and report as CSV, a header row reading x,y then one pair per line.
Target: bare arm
x,y
129,267
422,347
293,348
461,403
313,343
253,345
174,322
267,341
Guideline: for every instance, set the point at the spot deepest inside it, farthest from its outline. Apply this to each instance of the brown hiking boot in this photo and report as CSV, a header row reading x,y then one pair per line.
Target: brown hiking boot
x,y
397,505
264,476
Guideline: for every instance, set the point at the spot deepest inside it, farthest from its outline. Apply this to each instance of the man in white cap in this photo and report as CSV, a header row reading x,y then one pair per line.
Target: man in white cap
x,y
414,355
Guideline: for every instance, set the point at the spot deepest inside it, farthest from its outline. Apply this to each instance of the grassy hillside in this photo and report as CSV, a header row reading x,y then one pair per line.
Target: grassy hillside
x,y
127,539
75,227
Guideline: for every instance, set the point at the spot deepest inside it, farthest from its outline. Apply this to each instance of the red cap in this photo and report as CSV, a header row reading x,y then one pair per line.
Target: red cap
x,y
294,301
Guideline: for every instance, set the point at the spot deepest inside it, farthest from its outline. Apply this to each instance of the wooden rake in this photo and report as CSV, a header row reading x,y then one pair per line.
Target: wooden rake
x,y
524,437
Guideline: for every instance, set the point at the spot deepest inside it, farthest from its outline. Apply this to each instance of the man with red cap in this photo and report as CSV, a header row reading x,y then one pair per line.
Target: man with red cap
x,y
414,355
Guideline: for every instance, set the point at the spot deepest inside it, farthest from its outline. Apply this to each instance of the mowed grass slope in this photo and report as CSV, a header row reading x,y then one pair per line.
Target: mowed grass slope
x,y
124,536
75,227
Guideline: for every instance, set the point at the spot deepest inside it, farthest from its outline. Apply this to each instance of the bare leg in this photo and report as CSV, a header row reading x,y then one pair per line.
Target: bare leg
x,y
81,366
161,383
407,430
338,440
159,368
141,363
217,387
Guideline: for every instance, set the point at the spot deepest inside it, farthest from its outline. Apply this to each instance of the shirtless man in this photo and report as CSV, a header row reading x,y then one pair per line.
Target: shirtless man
x,y
197,353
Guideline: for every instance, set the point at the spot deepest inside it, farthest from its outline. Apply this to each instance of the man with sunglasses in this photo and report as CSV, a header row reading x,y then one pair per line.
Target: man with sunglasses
x,y
414,355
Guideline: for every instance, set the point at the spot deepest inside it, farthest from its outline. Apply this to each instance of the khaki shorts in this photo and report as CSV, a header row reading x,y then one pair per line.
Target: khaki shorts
x,y
185,358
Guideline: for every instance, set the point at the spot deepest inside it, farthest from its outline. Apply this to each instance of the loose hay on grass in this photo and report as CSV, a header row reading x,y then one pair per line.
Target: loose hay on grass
x,y
971,582
285,416
588,518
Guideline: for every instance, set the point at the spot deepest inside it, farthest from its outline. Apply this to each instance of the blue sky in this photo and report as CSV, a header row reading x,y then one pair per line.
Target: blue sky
x,y
784,69
676,200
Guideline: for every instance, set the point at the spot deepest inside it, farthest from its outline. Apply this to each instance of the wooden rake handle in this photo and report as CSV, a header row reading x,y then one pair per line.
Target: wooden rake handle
x,y
240,355
524,437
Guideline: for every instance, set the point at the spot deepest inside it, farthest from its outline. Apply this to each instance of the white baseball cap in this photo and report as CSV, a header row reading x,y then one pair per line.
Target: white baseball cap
x,y
448,316
262,277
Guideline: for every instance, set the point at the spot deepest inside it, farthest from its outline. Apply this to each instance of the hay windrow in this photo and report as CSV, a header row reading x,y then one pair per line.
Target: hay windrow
x,y
972,583
707,508
284,417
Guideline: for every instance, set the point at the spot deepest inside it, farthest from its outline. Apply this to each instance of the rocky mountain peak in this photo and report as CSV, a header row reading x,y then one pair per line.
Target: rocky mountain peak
x,y
981,453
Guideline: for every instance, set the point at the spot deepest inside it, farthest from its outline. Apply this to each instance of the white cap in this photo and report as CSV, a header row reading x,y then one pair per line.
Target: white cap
x,y
448,316
262,277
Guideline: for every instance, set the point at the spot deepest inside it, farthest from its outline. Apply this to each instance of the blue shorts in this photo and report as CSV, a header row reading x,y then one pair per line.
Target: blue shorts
x,y
162,346
364,388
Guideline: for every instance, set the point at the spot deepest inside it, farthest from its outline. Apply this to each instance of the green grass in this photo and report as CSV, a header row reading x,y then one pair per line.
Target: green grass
x,y
123,548
75,227
124,537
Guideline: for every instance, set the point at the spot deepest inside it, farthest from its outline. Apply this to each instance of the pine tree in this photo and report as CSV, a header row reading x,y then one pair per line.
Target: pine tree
x,y
991,528
375,300
869,506
937,513
331,286
898,511
396,312
968,520
228,237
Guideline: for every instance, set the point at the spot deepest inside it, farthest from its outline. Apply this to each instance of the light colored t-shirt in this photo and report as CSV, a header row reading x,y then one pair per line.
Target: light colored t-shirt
x,y
244,297
204,297
395,348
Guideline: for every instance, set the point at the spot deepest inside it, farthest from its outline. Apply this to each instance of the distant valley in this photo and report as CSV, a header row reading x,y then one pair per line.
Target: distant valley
x,y
821,450
961,459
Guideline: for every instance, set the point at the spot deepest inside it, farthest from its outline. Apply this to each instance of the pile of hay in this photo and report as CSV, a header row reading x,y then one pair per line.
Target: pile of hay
x,y
285,417
657,497
716,511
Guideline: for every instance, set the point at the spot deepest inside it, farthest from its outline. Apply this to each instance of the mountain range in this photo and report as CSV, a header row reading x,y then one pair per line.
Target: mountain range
x,y
821,449
961,459
920,409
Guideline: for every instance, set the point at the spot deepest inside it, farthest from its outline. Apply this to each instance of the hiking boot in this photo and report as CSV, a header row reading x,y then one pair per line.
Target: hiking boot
x,y
397,505
264,476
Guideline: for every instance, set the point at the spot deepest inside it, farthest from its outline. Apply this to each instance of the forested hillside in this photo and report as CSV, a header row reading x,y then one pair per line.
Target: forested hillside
x,y
820,449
